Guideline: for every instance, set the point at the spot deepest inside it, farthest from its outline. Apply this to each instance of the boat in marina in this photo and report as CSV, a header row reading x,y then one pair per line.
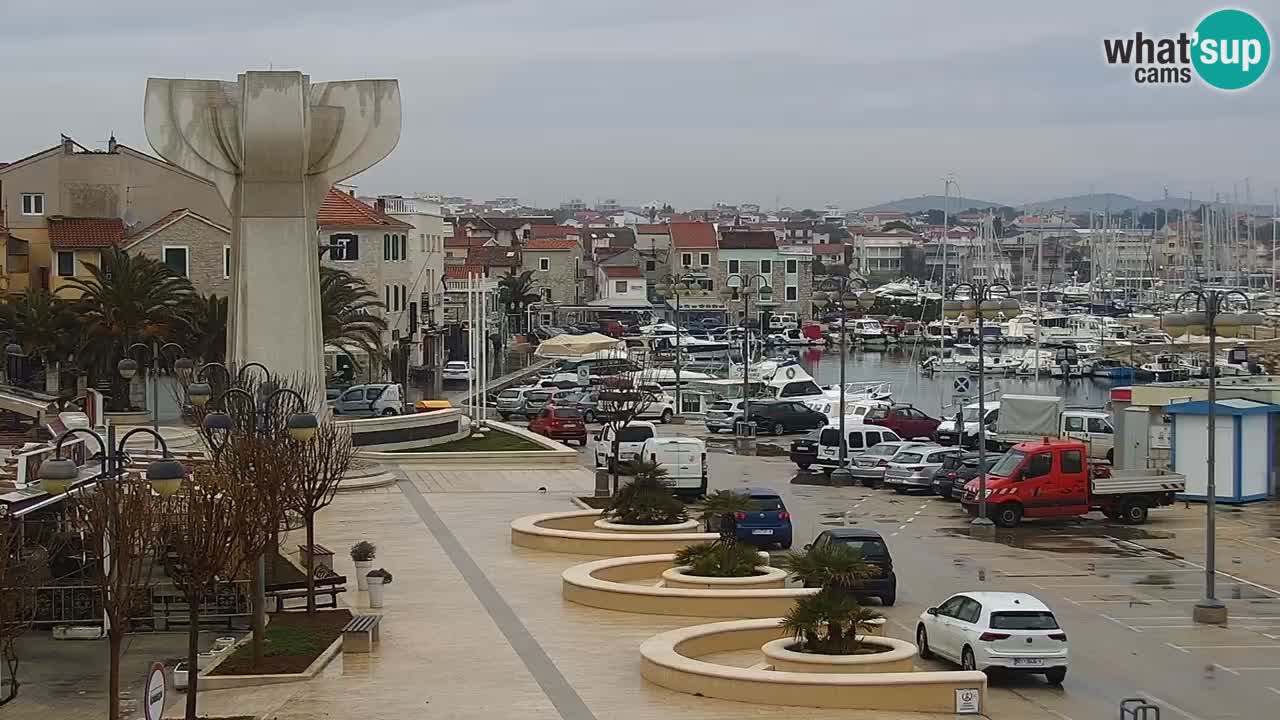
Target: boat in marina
x,y
958,359
868,333
1168,367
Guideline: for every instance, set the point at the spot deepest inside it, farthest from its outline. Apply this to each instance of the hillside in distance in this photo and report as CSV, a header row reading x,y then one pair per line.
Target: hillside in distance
x,y
934,202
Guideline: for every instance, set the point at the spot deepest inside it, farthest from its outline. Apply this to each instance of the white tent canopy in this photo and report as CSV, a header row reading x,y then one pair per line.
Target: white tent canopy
x,y
577,346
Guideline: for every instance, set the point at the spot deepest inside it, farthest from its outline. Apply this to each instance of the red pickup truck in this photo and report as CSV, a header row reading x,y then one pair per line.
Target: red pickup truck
x,y
1053,478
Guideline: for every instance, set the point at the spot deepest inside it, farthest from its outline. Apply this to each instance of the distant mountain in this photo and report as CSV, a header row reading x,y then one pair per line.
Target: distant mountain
x,y
935,202
1116,203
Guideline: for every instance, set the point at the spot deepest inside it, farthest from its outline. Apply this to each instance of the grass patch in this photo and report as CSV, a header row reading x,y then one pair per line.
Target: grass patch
x,y
293,641
493,440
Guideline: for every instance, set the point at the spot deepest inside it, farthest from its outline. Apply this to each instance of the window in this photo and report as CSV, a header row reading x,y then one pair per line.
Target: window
x,y
1023,620
793,293
544,264
66,263
686,259
951,608
1072,461
344,247
733,267
766,267
620,286
422,242
386,291
32,203
873,438
1100,425
1075,424
176,259
970,609
226,262
546,294
768,503
386,247
855,440
1040,465
650,265
404,247
704,259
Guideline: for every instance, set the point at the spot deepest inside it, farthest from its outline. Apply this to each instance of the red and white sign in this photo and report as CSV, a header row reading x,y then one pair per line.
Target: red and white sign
x,y
153,695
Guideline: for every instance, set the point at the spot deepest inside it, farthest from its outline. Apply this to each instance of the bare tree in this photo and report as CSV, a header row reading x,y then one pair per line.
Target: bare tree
x,y
622,400
322,463
125,519
19,577
205,533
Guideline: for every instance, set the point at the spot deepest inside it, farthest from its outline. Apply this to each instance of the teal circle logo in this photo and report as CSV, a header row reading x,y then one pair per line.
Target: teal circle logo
x,y
1232,49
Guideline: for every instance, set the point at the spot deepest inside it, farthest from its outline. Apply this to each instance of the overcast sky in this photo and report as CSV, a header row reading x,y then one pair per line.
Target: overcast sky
x,y
684,101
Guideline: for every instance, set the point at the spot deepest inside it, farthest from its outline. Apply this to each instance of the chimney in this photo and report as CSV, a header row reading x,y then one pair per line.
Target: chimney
x,y
68,145
111,144
381,205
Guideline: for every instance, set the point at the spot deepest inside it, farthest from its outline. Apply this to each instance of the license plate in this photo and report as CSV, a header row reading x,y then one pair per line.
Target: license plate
x,y
1027,662
761,532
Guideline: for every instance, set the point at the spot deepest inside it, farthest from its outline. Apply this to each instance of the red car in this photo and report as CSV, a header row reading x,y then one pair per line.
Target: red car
x,y
560,423
905,420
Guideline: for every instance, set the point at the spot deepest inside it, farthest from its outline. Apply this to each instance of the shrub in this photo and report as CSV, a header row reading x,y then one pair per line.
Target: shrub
x,y
718,512
828,621
363,551
646,500
719,559
834,564
386,576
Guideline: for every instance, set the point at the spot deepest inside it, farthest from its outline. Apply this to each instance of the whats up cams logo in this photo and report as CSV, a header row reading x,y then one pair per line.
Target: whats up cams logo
x,y
1228,50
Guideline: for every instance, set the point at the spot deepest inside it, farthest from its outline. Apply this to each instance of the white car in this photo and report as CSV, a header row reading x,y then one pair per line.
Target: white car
x,y
630,439
457,370
988,630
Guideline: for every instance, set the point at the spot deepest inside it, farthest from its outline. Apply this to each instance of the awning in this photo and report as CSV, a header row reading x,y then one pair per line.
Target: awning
x,y
575,346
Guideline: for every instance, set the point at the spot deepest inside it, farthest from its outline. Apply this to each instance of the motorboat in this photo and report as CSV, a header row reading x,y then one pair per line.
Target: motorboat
x,y
1109,369
997,364
797,337
1036,362
1168,367
961,357
855,391
868,333
1066,361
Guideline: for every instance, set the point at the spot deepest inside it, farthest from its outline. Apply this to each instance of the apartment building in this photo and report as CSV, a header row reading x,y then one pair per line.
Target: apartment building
x,y
744,254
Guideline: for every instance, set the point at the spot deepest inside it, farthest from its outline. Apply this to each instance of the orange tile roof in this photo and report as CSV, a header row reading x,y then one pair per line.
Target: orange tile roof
x,y
341,210
622,271
693,235
828,249
653,229
67,233
464,242
460,272
551,244
554,231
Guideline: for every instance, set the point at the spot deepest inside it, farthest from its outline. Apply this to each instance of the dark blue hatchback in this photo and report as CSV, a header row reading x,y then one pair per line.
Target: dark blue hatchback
x,y
768,525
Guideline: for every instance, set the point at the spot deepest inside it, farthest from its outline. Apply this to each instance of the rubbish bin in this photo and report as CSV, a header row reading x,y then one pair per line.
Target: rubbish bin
x,y
602,481
744,438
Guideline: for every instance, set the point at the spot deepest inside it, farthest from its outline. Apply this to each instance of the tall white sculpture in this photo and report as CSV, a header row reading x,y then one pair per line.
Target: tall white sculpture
x,y
274,144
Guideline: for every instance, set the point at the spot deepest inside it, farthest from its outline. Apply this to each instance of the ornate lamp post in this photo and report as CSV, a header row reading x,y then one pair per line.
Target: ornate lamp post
x,y
985,300
678,286
744,288
58,475
1212,311
128,367
838,290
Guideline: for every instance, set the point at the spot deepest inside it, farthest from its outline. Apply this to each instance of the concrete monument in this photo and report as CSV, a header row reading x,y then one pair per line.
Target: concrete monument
x,y
273,144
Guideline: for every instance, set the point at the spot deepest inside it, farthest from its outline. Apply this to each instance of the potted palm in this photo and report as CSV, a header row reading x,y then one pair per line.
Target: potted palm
x,y
362,554
646,500
832,565
720,511
722,566
829,632
378,581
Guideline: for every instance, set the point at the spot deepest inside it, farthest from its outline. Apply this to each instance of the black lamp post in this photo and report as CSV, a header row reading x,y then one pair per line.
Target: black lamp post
x,y
1213,311
128,367
58,475
984,299
732,292
677,286
838,290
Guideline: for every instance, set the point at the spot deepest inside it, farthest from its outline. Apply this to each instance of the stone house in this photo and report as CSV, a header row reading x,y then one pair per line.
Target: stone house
x,y
191,245
556,264
745,254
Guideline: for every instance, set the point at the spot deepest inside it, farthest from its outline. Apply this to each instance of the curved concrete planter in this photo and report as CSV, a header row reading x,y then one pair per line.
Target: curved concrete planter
x,y
686,526
769,577
671,661
611,585
895,656
554,454
574,533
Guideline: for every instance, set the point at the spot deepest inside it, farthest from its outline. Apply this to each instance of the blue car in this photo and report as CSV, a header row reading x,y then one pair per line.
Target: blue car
x,y
769,525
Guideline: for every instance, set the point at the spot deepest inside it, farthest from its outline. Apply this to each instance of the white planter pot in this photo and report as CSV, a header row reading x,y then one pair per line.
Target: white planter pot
x,y
362,568
180,676
376,588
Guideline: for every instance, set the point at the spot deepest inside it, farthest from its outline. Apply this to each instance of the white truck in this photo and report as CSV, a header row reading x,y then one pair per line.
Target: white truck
x,y
1025,418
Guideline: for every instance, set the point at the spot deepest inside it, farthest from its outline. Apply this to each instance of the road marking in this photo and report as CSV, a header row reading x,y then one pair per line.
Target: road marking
x,y
1127,585
1232,626
1264,588
900,527
1122,624
1223,647
1258,669
1273,690
911,519
1224,667
1179,649
1175,708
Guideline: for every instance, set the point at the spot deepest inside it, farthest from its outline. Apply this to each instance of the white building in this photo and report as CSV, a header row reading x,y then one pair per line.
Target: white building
x,y
621,286
880,252
428,234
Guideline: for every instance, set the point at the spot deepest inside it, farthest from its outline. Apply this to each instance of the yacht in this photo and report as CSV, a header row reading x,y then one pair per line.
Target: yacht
x,y
1066,361
1167,367
797,336
997,364
869,333
1033,360
854,391
961,358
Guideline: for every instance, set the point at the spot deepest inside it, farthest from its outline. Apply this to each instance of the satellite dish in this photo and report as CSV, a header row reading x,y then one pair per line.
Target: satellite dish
x,y
130,218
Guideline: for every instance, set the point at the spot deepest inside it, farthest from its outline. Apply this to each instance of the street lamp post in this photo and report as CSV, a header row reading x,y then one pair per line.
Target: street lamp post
x,y
836,290
1212,308
676,286
731,291
128,367
983,302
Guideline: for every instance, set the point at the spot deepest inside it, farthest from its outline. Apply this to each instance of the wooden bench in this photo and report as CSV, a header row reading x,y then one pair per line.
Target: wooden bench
x,y
322,554
361,634
325,586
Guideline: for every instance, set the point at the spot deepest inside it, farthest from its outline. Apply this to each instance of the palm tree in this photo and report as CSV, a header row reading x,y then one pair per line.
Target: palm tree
x,y
832,565
127,299
207,340
44,325
719,511
647,499
516,292
350,314
828,621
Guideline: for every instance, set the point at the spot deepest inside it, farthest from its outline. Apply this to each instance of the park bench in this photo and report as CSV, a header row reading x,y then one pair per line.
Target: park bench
x,y
329,586
323,557
361,634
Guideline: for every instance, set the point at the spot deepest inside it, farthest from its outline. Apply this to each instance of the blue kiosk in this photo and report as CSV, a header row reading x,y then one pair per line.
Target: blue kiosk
x,y
1244,447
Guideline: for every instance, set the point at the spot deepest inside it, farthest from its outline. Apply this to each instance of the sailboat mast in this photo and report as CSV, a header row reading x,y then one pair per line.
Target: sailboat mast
x,y
942,324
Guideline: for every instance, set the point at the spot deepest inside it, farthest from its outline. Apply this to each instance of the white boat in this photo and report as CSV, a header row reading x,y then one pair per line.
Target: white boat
x,y
997,364
794,337
961,357
869,333
1168,367
1034,360
854,391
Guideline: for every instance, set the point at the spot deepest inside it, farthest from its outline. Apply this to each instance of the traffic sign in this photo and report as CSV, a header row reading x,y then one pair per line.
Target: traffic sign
x,y
154,692
961,385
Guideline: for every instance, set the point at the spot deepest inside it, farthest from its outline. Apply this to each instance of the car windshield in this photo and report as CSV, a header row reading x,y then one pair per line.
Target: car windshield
x,y
767,503
509,394
721,406
455,366
869,548
1008,463
1023,620
971,414
878,413
908,457
566,414
635,434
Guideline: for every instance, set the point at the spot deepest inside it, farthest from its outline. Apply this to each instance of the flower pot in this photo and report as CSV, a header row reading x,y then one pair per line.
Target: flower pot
x,y
362,569
180,680
376,588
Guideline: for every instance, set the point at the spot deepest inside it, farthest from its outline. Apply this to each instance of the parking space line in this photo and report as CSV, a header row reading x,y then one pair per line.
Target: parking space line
x,y
1179,649
1175,708
1186,648
1258,669
1121,624
1224,667
1273,690
1126,585
1201,568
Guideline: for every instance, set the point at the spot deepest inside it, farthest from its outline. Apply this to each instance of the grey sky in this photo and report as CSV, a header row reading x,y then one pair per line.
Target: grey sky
x,y
686,101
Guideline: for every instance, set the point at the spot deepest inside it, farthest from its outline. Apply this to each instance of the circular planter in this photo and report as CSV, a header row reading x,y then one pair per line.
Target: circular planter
x,y
768,577
686,526
895,656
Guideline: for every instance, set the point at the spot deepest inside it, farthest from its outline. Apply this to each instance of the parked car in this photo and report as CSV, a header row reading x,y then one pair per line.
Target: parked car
x,y
784,416
869,466
769,524
370,400
957,471
511,401
630,439
534,401
723,415
804,451
560,423
882,583
612,328
858,438
456,371
905,420
913,467
990,630
684,459
660,406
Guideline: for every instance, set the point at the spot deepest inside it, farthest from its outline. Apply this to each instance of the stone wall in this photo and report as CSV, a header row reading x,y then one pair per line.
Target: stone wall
x,y
205,245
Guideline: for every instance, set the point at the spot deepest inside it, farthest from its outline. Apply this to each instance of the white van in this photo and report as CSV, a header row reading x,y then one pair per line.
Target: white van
x,y
369,400
860,437
685,460
630,439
